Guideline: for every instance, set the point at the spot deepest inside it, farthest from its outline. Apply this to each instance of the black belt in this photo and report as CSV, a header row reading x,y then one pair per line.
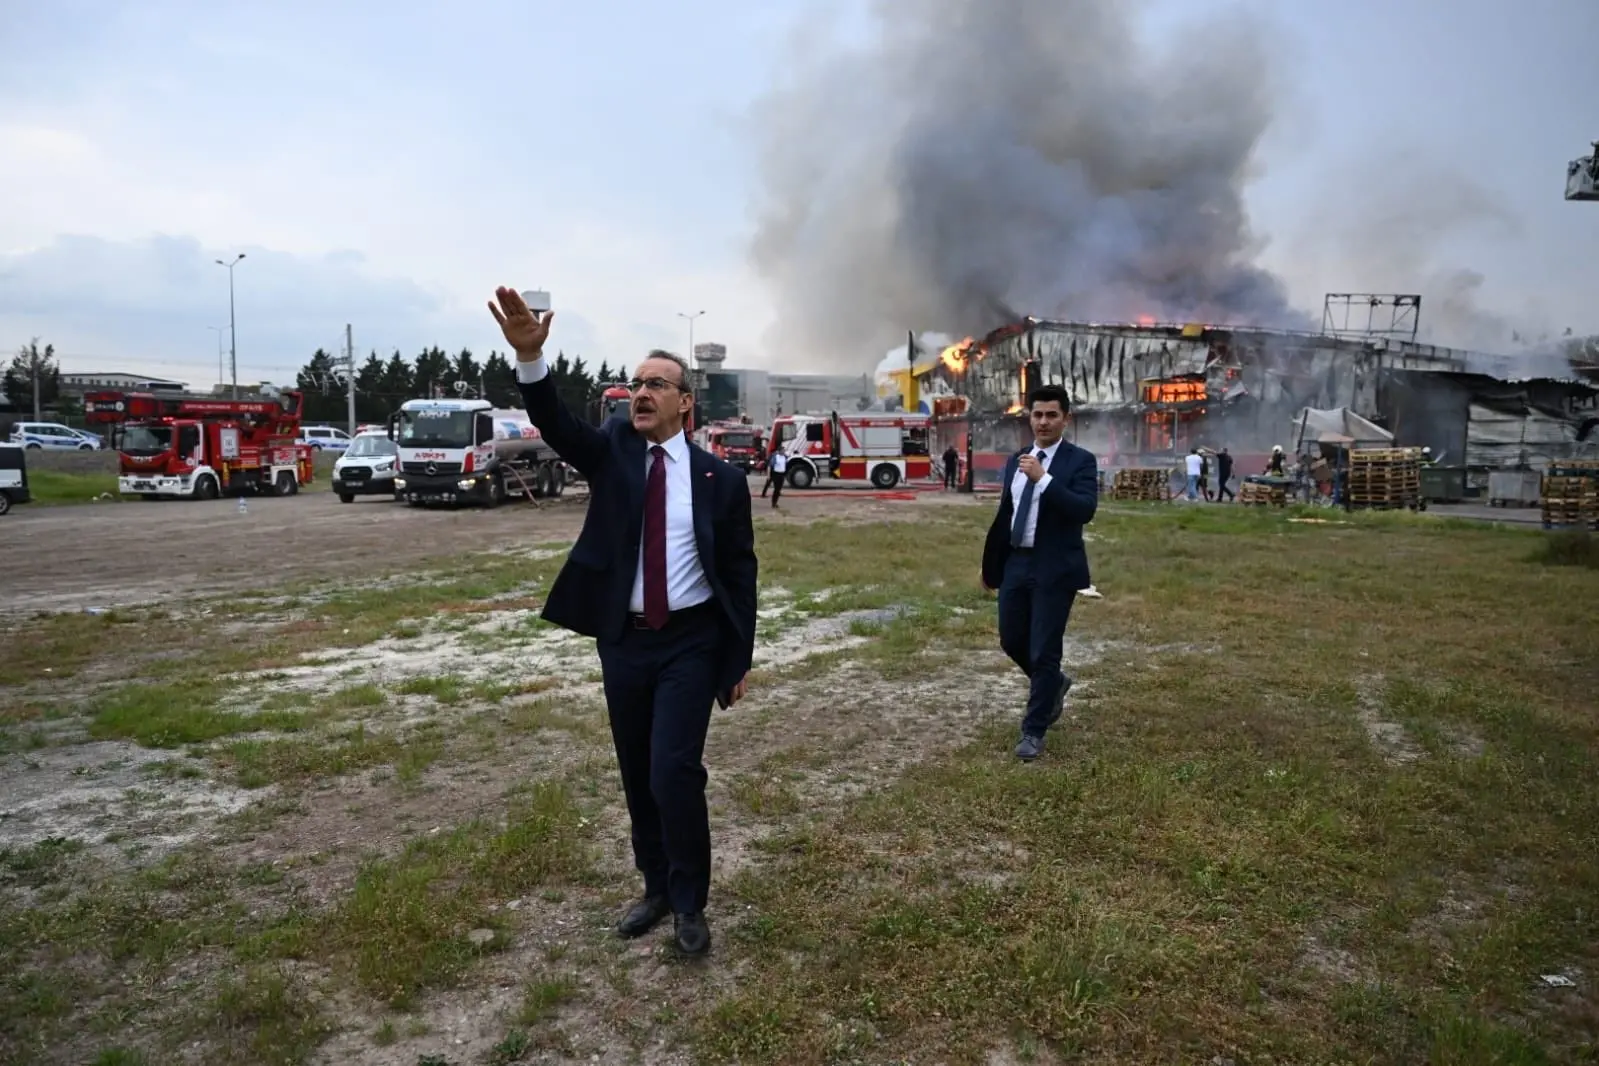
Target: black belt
x,y
678,617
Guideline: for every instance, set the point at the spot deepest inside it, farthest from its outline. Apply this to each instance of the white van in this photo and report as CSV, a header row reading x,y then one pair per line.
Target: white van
x,y
367,467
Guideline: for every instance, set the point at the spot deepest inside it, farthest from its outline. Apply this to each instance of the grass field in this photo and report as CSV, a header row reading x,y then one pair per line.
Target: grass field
x,y
49,487
1326,792
56,487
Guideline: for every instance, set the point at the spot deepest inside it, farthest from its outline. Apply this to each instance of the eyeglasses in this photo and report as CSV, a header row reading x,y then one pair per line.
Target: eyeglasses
x,y
652,384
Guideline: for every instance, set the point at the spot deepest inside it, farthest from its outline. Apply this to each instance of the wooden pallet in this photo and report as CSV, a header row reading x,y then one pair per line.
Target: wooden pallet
x,y
1384,478
1261,494
1142,483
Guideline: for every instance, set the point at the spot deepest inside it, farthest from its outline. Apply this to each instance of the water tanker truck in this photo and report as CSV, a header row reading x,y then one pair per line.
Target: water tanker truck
x,y
469,451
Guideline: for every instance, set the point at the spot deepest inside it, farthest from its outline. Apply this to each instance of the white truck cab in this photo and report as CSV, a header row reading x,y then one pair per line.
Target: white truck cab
x,y
467,451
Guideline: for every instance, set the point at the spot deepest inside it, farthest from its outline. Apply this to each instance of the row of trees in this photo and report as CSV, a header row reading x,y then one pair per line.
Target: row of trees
x,y
381,385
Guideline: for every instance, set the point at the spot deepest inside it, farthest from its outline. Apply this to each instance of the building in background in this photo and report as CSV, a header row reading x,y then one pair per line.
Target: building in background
x,y
78,384
727,393
1146,393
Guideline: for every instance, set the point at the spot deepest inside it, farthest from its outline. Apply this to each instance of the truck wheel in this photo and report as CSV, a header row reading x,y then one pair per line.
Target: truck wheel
x,y
346,497
544,482
287,484
494,492
800,475
206,488
885,476
5,503
558,482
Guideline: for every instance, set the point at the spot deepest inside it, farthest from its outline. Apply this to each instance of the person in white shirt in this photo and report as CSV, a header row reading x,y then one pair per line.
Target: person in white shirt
x,y
776,468
1195,466
669,596
1035,559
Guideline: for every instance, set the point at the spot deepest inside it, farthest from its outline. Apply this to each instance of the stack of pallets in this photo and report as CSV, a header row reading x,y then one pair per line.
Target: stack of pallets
x,y
1264,492
1569,494
1385,477
1141,483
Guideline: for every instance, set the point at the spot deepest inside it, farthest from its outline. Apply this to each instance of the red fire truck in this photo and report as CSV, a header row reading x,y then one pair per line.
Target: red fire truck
x,y
886,447
200,447
737,442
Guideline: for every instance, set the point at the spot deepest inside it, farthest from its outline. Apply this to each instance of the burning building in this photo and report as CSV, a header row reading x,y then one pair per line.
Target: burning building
x,y
1147,392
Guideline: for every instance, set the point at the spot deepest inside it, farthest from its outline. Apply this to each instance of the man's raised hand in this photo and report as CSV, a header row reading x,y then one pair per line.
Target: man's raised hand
x,y
524,331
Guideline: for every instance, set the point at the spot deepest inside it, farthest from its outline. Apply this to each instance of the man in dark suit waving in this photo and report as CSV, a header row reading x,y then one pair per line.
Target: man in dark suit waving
x,y
663,577
1034,556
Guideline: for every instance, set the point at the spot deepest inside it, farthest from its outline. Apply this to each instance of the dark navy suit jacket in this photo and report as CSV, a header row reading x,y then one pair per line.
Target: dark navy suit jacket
x,y
590,594
1064,508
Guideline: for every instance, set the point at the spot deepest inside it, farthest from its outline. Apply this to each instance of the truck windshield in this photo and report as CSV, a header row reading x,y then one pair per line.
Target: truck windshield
x,y
738,440
365,446
435,429
146,440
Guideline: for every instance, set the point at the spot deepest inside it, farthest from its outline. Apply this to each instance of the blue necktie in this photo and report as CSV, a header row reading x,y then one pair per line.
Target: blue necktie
x,y
1018,525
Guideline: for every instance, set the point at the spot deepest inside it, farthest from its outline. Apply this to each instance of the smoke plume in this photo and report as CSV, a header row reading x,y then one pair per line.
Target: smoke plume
x,y
980,159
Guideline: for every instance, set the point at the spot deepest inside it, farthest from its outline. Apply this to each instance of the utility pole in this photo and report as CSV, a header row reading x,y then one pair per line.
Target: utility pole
x,y
233,328
349,369
33,369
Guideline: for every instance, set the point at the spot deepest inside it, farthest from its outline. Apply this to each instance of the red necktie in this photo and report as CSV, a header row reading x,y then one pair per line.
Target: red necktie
x,y
655,602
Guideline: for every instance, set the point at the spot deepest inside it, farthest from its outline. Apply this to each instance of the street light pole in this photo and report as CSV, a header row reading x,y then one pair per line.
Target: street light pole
x,y
691,319
233,328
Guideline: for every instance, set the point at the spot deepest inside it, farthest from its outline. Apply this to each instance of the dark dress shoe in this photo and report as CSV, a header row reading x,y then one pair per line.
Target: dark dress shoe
x,y
643,916
1030,747
693,935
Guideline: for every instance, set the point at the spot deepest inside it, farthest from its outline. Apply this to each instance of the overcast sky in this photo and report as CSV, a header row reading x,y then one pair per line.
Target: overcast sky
x,y
387,165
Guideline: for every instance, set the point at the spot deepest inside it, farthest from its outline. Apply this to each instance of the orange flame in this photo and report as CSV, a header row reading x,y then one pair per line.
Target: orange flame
x,y
1015,409
955,355
1146,320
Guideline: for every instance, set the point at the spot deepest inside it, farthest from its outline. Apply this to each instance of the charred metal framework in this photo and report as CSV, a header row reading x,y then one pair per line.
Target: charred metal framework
x,y
1151,392
1157,390
1386,314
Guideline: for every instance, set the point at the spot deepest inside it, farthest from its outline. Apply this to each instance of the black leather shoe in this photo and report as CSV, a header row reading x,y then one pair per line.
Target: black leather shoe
x,y
693,935
1029,748
643,916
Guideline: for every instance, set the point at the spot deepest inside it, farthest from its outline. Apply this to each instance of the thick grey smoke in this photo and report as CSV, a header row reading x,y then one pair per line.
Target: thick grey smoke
x,y
981,159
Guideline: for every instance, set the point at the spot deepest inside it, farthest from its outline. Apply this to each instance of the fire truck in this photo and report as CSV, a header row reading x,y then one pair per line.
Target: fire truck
x,y
737,442
201,447
614,400
885,447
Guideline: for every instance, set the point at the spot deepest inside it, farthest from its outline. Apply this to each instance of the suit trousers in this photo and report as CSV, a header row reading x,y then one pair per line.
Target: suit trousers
x,y
1032,630
660,686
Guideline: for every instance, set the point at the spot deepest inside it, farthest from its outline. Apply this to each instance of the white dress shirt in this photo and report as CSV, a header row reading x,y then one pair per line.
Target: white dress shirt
x,y
779,463
1018,483
686,584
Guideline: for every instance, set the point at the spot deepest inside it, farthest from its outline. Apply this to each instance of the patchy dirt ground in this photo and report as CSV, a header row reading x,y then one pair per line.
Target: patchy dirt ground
x,y
806,741
118,554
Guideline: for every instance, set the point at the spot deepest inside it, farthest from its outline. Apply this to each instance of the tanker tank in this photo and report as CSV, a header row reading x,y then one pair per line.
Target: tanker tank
x,y
515,437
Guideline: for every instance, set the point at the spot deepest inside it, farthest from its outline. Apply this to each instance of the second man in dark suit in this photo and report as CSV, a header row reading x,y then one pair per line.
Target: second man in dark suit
x,y
663,576
1034,556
